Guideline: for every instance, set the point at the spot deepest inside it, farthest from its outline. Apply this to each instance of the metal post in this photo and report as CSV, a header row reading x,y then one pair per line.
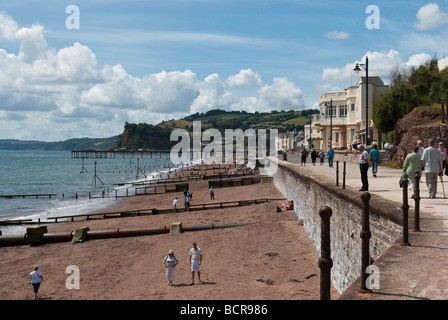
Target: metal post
x,y
416,197
367,101
325,262
331,123
365,237
405,207
343,176
337,173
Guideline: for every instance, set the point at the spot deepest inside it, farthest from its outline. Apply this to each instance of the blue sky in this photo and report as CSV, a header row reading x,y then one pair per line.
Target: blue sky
x,y
148,61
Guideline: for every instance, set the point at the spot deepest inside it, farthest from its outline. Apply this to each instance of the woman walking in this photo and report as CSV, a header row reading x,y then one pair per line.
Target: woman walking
x,y
36,279
170,262
411,164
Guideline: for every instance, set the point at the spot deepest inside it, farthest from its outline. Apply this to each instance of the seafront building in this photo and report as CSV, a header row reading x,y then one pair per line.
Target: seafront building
x,y
316,137
342,118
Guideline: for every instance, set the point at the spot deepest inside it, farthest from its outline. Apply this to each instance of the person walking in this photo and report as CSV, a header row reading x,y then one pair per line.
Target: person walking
x,y
175,204
374,155
364,164
420,147
187,204
170,262
185,195
36,279
313,156
212,193
303,154
442,150
321,157
432,159
420,153
330,156
196,261
411,164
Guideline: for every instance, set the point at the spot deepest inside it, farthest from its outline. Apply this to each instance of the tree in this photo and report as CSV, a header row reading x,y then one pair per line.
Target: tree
x,y
424,85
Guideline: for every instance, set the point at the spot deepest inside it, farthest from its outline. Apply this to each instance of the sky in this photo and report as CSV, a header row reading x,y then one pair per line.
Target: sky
x,y
72,69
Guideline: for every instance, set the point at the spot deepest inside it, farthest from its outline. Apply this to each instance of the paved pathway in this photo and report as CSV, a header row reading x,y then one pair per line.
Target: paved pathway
x,y
418,271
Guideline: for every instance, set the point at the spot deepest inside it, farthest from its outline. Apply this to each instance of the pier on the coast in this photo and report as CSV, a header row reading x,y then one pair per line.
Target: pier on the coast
x,y
123,153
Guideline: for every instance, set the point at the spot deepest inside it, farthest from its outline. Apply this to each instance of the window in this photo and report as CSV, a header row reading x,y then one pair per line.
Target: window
x,y
327,112
353,107
343,111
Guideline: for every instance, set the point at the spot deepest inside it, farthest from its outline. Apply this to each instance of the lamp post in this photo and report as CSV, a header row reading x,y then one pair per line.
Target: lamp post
x,y
310,146
331,121
357,69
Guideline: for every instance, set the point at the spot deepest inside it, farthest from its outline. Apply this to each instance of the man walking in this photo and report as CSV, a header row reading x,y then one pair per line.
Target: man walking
x,y
364,164
212,193
196,260
432,159
330,156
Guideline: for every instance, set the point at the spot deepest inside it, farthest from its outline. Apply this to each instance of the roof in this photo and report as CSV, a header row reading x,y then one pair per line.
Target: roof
x,y
372,80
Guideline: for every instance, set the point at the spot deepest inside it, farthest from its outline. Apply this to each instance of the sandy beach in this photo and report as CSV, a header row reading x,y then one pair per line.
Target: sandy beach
x,y
270,260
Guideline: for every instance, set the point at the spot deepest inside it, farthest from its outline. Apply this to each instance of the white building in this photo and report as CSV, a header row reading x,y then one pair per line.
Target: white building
x,y
316,136
346,123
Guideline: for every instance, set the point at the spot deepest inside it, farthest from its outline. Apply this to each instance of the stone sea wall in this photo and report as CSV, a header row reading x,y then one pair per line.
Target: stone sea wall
x,y
311,192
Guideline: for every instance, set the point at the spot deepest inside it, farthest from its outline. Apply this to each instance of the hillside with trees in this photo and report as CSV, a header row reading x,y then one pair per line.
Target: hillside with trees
x,y
412,110
157,137
67,145
410,88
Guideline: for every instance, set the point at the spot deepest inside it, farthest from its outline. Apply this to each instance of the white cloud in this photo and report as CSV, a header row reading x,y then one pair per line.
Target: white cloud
x,y
417,60
337,35
430,17
281,95
8,27
212,95
380,64
32,43
51,95
244,79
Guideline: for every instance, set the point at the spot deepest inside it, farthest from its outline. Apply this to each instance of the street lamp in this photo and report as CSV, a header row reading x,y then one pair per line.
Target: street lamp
x,y
357,69
331,121
310,146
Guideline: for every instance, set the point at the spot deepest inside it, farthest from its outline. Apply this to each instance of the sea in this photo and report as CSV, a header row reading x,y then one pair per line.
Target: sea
x,y
77,186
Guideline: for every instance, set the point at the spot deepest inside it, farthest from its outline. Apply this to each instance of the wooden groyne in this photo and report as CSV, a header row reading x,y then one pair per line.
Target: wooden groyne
x,y
145,211
10,196
233,182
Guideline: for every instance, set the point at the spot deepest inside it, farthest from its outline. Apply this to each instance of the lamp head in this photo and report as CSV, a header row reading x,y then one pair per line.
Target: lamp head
x,y
357,69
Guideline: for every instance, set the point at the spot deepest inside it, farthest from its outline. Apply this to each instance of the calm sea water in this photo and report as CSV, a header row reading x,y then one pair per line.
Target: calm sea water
x,y
55,172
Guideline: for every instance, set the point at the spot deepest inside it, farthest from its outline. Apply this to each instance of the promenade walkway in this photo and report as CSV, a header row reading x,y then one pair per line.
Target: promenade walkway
x,y
415,272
